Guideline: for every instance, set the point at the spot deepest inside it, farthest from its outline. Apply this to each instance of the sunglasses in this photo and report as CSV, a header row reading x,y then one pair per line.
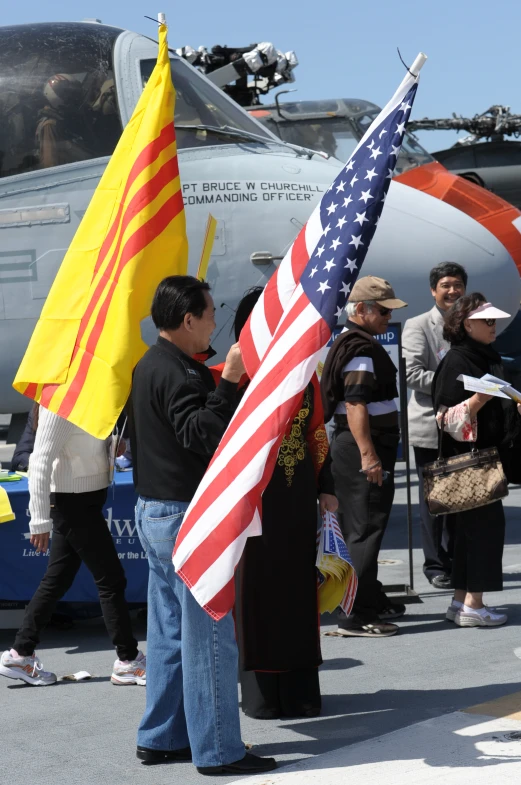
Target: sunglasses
x,y
488,322
384,311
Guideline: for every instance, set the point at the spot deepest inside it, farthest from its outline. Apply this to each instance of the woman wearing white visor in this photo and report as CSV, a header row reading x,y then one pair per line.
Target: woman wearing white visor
x,y
474,421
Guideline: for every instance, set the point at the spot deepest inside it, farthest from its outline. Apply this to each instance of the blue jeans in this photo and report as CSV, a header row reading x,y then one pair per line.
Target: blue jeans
x,y
191,692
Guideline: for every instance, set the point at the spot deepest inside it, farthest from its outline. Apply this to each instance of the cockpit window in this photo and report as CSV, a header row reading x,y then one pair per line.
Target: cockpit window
x,y
57,97
412,153
334,137
200,104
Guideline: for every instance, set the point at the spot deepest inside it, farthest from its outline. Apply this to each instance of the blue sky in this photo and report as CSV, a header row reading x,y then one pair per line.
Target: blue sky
x,y
346,49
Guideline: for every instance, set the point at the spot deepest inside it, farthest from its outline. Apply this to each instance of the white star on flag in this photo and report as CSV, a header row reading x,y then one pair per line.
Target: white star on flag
x,y
345,287
376,152
405,105
320,251
370,146
356,241
335,243
351,265
400,128
327,229
329,265
360,217
390,174
332,207
395,150
313,271
370,174
322,287
341,222
349,165
365,196
382,132
340,186
338,313
353,181
347,201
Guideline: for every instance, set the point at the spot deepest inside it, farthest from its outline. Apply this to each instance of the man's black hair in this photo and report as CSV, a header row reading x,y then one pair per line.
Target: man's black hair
x,y
244,309
176,296
453,269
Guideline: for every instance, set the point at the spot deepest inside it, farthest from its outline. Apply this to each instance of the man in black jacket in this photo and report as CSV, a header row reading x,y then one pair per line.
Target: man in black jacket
x,y
178,418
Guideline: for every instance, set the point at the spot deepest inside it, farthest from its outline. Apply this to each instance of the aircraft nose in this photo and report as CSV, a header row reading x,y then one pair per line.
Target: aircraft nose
x,y
417,232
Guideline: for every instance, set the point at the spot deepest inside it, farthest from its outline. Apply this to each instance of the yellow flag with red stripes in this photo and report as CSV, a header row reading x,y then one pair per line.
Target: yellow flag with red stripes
x,y
87,341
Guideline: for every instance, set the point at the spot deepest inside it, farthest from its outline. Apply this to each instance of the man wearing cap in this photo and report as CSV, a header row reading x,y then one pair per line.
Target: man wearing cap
x,y
359,389
424,347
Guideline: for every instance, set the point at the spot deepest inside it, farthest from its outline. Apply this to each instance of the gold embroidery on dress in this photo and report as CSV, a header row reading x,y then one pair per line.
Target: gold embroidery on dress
x,y
293,447
319,448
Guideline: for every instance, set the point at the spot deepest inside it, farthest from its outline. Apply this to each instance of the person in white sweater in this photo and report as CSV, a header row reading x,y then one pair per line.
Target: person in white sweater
x,y
74,467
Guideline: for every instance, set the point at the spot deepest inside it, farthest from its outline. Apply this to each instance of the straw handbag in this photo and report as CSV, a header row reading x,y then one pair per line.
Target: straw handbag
x,y
463,482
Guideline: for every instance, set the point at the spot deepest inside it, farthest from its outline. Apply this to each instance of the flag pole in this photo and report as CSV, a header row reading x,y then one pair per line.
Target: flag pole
x,y
418,64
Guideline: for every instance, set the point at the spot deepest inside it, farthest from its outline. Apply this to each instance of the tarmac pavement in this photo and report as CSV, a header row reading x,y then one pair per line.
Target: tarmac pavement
x,y
392,708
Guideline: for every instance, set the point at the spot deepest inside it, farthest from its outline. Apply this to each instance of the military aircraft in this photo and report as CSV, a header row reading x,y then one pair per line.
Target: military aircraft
x,y
335,127
486,155
66,91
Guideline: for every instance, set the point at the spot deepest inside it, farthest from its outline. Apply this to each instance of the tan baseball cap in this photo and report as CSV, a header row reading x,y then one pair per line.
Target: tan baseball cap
x,y
372,288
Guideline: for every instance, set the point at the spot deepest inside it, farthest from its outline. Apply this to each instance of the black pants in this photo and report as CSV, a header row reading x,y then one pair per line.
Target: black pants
x,y
364,512
478,549
289,694
80,534
437,531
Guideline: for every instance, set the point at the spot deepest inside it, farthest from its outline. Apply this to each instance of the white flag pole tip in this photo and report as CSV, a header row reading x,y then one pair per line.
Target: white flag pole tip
x,y
161,18
418,64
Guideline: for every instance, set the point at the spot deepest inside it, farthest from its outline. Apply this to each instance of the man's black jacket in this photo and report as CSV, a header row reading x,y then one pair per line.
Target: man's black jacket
x,y
177,419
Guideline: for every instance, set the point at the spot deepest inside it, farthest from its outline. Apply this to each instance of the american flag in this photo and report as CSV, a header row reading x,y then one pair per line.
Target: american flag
x,y
281,345
331,552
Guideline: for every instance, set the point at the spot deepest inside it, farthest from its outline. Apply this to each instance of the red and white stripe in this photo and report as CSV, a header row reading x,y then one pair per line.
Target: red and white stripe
x,y
265,317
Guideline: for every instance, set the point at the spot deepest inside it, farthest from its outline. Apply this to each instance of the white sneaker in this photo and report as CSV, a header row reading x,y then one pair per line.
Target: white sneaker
x,y
453,609
485,617
134,672
28,669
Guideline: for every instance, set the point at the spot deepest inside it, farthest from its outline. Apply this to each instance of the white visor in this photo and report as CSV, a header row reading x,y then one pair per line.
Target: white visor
x,y
487,311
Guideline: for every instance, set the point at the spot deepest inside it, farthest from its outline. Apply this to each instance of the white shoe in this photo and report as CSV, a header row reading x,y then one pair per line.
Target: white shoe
x,y
28,669
483,618
134,672
452,610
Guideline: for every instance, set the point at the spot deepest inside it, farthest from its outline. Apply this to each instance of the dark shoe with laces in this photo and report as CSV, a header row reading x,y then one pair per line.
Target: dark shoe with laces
x,y
149,757
353,627
250,764
392,611
440,581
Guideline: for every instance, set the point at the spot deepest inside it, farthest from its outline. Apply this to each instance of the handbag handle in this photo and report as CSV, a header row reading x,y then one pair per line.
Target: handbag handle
x,y
441,431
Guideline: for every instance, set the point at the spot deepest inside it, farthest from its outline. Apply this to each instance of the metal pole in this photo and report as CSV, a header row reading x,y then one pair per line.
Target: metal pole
x,y
405,447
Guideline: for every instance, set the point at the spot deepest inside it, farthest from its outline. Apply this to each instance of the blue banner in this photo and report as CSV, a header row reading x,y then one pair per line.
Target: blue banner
x,y
22,569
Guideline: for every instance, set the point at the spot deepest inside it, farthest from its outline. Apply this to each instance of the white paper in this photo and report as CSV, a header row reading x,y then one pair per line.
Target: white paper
x,y
79,676
482,386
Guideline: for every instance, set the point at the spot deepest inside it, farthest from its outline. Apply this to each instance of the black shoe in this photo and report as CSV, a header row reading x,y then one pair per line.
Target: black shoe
x,y
441,581
392,611
250,764
352,627
150,757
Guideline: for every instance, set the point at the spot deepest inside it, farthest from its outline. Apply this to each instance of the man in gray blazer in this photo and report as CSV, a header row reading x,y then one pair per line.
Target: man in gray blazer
x,y
424,347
